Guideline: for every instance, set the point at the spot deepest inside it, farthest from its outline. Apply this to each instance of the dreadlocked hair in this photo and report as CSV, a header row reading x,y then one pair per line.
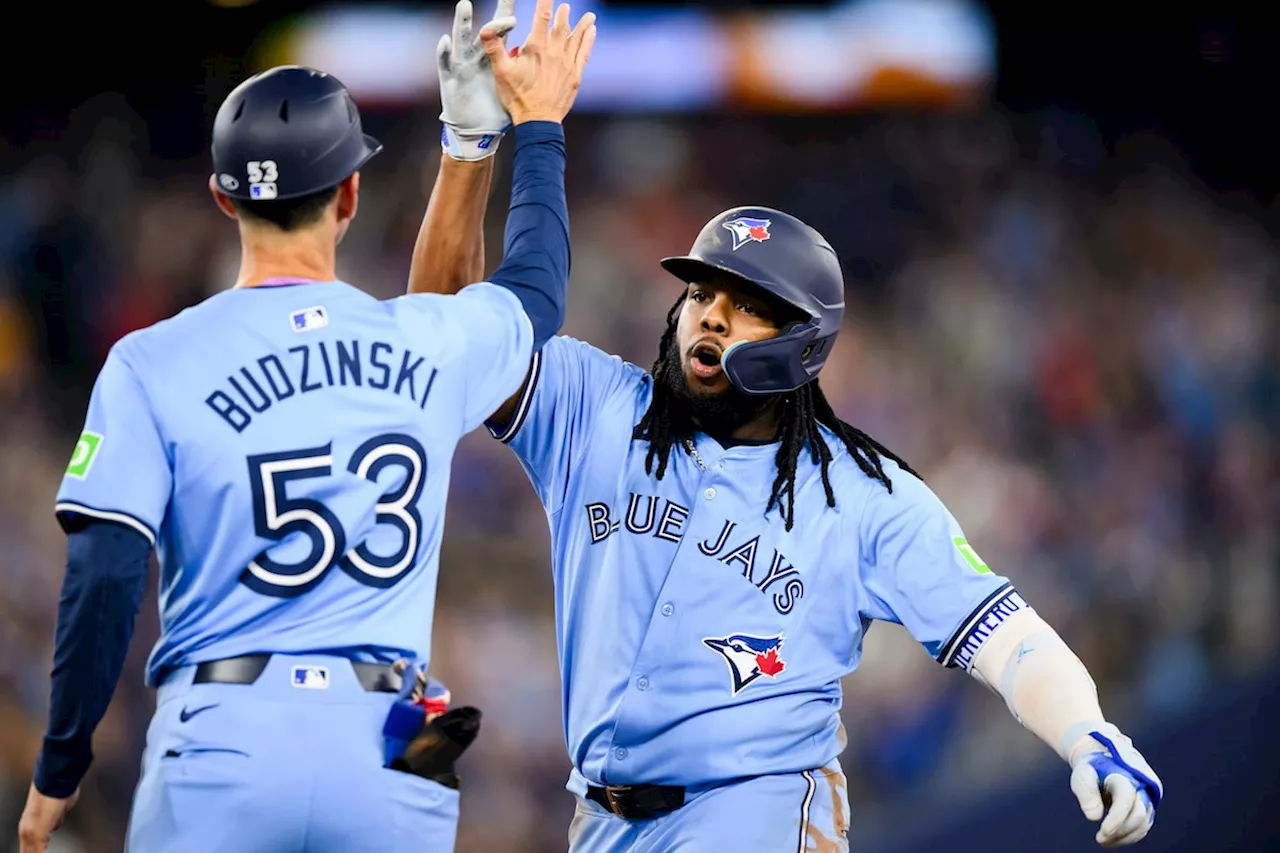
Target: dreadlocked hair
x,y
801,412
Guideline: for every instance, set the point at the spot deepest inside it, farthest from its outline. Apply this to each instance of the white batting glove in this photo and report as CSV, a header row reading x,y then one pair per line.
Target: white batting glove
x,y
1108,766
474,119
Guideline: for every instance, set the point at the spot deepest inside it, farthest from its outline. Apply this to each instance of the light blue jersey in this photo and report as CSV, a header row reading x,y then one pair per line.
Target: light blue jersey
x,y
699,641
287,450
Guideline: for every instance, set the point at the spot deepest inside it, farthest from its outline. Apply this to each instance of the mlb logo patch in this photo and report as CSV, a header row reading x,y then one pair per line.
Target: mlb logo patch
x,y
310,677
308,319
747,230
749,657
262,192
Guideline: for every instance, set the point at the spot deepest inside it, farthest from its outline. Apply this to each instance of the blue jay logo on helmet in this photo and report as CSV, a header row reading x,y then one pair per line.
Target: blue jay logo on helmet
x,y
748,657
745,230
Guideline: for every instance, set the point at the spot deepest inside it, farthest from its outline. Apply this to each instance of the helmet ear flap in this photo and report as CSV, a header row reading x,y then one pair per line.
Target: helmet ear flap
x,y
772,365
818,347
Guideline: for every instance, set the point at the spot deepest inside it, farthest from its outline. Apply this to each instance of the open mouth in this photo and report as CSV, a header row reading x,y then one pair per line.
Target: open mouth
x,y
705,360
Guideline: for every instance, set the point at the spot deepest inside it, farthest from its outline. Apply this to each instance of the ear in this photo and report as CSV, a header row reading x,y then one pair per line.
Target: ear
x,y
221,199
348,198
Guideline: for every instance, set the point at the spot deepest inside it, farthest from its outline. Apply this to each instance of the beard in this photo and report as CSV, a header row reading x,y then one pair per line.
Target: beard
x,y
716,414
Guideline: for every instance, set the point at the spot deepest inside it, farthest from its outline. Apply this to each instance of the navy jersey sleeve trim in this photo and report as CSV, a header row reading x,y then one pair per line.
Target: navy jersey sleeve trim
x,y
63,509
974,630
523,406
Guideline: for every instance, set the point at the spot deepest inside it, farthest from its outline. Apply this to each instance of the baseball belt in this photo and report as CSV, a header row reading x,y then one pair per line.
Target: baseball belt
x,y
638,802
246,669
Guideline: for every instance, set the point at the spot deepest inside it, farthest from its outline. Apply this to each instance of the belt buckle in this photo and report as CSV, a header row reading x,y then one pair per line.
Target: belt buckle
x,y
614,794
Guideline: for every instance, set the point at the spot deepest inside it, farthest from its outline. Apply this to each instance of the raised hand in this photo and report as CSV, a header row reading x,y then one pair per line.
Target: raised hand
x,y
474,118
540,81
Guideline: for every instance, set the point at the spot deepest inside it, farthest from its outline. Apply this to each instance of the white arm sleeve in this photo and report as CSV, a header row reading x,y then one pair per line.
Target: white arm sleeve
x,y
1045,685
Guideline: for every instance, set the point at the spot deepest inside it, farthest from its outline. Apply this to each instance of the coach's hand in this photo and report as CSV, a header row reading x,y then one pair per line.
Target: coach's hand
x,y
1109,777
42,816
539,80
474,119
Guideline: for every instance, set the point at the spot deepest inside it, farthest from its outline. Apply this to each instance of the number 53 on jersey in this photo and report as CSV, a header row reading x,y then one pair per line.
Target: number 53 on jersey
x,y
276,515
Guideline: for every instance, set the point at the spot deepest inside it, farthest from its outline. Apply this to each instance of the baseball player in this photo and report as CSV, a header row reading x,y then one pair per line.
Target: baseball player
x,y
285,448
721,544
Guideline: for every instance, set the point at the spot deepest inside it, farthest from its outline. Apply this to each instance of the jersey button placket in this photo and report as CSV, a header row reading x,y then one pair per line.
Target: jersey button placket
x,y
630,722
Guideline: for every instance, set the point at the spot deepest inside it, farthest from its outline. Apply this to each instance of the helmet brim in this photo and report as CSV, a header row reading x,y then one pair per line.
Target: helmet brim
x,y
371,147
691,270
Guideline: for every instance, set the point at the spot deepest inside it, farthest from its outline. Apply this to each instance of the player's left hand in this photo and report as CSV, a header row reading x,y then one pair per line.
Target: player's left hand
x,y
474,119
41,818
1109,777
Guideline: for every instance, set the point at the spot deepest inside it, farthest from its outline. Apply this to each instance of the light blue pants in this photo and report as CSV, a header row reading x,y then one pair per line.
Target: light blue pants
x,y
276,768
794,813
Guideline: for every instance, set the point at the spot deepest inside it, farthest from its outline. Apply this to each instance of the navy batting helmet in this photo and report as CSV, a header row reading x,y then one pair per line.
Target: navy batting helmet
x,y
288,132
789,260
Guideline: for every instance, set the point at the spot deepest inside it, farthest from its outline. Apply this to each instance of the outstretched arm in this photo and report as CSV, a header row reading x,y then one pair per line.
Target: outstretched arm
x,y
538,84
923,573
1052,695
449,252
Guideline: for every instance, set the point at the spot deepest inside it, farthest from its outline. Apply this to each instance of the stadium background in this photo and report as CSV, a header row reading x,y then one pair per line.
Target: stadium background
x,y
1057,226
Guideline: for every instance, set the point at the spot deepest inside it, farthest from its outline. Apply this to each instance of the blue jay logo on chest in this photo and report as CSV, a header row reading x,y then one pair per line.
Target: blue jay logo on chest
x,y
748,657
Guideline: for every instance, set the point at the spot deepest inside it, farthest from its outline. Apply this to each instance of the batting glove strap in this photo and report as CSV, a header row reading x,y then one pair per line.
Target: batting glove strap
x,y
1105,764
1115,785
469,145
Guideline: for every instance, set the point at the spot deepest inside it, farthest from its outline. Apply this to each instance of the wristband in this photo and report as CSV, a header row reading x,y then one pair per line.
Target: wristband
x,y
469,145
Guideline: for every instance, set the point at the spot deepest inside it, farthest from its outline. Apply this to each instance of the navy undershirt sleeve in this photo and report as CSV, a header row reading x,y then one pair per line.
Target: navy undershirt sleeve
x,y
101,593
535,262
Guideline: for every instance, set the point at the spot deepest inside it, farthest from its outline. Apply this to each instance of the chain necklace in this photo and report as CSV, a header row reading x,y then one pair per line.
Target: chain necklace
x,y
688,443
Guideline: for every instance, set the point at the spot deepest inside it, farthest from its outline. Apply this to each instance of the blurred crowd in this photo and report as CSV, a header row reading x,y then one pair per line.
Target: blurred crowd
x,y
1077,344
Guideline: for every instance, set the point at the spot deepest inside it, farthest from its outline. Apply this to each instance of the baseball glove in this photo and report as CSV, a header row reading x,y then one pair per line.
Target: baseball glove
x,y
442,741
438,736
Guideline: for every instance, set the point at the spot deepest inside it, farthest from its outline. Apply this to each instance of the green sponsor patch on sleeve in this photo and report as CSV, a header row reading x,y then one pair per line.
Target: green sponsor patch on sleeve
x,y
86,450
971,556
